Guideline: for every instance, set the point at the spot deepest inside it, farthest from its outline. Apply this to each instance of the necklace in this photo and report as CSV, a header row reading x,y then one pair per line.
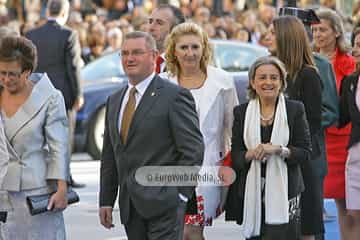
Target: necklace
x,y
266,119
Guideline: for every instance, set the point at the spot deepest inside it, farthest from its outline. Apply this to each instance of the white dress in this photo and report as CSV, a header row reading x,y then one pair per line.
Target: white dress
x,y
214,101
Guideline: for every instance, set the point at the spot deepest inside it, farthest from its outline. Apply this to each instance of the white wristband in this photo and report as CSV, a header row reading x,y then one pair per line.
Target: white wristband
x,y
285,152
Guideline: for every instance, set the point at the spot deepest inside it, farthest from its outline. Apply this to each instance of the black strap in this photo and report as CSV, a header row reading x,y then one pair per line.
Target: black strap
x,y
3,216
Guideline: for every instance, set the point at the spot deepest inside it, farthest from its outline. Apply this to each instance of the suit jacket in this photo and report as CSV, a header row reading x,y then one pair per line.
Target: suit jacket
x,y
349,111
59,55
38,139
299,144
330,106
216,107
164,131
306,88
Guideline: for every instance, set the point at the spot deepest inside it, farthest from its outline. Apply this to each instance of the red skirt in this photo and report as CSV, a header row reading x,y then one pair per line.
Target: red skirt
x,y
336,151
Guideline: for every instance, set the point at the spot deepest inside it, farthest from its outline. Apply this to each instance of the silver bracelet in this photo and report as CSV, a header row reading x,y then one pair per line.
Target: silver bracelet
x,y
285,152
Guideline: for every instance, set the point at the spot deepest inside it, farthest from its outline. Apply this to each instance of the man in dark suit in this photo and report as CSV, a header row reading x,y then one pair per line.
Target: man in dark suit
x,y
59,55
149,122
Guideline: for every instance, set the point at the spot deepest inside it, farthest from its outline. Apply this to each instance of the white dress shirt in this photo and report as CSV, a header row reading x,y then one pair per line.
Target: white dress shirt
x,y
140,91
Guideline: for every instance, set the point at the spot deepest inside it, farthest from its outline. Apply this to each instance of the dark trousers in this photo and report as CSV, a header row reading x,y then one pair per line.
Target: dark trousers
x,y
278,232
71,114
168,226
3,216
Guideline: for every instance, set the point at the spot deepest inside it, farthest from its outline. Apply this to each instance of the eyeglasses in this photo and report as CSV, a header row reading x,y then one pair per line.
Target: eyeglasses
x,y
10,74
135,53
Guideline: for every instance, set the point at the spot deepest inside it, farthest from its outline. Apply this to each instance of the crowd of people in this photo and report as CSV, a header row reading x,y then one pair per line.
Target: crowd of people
x,y
295,142
101,25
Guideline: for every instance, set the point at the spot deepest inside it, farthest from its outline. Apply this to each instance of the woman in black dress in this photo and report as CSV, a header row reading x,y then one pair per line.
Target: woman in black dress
x,y
291,45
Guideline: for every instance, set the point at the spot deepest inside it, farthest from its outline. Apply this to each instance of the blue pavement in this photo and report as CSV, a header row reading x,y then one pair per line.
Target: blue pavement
x,y
331,227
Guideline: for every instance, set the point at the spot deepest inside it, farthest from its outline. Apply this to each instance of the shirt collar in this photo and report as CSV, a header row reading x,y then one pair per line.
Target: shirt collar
x,y
54,20
143,85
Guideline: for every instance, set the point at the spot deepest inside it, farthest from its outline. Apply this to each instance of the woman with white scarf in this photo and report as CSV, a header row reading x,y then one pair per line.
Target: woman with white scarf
x,y
270,139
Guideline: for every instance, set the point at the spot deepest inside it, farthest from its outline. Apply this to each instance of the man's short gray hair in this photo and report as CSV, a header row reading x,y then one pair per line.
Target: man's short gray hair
x,y
150,41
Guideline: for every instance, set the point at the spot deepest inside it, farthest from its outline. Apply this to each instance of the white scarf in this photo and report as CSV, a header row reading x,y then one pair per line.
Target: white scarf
x,y
276,187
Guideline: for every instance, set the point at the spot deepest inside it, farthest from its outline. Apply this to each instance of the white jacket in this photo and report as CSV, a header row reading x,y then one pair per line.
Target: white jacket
x,y
216,118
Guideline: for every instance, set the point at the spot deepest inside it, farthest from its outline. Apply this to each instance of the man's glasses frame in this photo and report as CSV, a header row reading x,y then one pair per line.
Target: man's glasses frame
x,y
135,53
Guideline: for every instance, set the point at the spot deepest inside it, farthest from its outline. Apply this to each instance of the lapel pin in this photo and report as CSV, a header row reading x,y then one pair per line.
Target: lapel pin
x,y
153,94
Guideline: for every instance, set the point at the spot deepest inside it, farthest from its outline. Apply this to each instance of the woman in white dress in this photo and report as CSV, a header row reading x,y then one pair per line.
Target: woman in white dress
x,y
188,54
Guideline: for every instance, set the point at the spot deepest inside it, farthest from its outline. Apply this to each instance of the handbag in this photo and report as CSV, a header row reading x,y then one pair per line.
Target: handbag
x,y
38,203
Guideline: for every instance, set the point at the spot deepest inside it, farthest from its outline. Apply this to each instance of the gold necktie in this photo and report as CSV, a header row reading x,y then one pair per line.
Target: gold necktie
x,y
128,115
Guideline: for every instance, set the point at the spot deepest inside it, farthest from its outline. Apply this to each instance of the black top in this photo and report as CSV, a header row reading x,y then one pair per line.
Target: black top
x,y
265,138
349,112
306,88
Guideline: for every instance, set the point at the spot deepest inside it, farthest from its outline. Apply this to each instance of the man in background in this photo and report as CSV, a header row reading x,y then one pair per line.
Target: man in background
x,y
59,55
160,23
149,122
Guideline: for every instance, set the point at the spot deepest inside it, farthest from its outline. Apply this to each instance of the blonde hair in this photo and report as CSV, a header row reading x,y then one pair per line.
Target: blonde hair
x,y
293,45
337,25
187,28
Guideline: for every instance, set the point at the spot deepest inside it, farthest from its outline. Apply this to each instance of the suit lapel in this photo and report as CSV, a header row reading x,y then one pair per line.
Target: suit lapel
x,y
150,96
40,94
115,111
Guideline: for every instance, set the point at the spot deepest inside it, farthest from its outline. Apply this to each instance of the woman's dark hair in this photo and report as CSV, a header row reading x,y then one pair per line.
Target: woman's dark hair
x,y
19,49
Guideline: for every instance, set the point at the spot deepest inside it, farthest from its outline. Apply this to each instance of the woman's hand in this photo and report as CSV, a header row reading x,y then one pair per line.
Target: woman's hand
x,y
250,155
58,201
263,151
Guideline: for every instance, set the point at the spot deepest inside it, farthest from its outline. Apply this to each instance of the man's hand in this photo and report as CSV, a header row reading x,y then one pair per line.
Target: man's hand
x,y
79,102
105,214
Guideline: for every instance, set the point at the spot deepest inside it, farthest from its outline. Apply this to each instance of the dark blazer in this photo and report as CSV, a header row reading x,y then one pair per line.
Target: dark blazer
x,y
307,89
59,55
349,112
299,144
329,96
164,131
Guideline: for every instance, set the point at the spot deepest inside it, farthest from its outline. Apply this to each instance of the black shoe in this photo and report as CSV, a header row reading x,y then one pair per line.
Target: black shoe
x,y
3,216
76,184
